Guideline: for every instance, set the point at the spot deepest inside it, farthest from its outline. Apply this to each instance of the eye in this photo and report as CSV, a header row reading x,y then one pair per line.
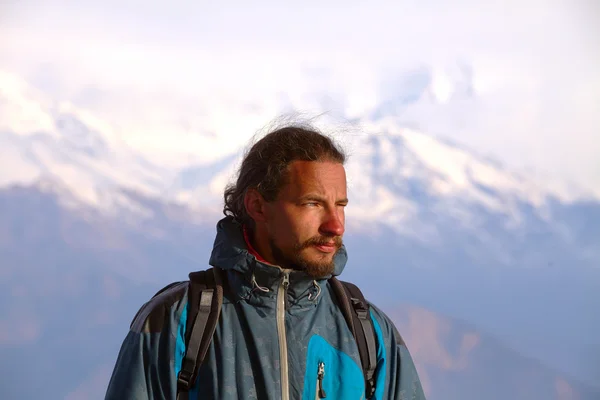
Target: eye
x,y
311,204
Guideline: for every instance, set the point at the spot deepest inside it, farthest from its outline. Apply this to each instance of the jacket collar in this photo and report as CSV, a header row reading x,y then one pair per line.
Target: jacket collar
x,y
255,280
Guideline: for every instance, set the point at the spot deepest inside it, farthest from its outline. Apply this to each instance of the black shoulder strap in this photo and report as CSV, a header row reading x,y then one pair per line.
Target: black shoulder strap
x,y
356,311
205,297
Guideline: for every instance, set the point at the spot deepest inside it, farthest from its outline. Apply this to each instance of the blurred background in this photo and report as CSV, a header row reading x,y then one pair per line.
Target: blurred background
x,y
474,175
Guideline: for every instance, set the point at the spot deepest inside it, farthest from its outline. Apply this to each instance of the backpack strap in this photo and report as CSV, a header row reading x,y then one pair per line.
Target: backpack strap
x,y
357,314
205,297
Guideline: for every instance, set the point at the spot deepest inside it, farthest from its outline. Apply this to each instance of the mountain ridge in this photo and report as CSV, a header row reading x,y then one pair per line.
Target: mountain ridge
x,y
94,145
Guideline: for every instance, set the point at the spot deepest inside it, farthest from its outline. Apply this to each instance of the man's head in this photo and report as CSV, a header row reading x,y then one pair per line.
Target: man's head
x,y
291,194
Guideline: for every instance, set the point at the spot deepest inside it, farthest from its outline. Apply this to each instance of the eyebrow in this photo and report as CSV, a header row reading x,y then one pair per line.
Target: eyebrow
x,y
316,197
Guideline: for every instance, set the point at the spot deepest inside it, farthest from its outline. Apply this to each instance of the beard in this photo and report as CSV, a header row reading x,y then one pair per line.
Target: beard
x,y
297,261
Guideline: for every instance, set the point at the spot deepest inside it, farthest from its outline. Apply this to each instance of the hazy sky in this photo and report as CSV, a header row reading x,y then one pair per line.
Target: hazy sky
x,y
184,75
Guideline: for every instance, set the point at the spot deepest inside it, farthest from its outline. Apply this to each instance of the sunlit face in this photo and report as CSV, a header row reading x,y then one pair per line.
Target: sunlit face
x,y
305,223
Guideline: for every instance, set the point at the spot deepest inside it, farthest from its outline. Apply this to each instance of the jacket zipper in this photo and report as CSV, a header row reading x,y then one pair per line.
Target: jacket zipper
x,y
283,355
319,391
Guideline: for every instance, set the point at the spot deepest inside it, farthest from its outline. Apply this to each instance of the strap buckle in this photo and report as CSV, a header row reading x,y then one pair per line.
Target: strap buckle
x,y
184,379
360,307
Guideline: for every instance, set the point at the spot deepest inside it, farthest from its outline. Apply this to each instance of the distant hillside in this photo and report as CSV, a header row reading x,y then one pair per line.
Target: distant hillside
x,y
456,361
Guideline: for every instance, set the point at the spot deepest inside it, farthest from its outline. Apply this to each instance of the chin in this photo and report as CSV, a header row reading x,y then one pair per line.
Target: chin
x,y
319,271
317,267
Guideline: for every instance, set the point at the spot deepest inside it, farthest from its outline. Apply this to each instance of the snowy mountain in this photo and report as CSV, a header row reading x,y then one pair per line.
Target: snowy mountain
x,y
43,137
445,228
424,88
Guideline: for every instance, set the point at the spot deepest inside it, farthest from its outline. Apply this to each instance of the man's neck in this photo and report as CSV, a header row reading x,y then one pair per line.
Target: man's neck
x,y
249,244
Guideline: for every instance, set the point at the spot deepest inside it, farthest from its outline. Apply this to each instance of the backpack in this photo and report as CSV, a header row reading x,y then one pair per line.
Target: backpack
x,y
205,297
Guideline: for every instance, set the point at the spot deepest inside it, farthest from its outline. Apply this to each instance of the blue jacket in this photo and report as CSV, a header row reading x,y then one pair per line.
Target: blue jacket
x,y
277,329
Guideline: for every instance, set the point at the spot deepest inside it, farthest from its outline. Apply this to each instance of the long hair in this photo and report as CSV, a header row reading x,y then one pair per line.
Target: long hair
x,y
265,165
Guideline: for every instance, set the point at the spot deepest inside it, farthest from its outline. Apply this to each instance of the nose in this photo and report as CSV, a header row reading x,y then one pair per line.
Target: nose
x,y
333,224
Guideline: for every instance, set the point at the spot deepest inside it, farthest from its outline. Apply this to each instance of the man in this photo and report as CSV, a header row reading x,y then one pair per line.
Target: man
x,y
281,333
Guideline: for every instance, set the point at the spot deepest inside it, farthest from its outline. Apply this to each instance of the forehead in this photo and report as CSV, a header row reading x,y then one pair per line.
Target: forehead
x,y
316,176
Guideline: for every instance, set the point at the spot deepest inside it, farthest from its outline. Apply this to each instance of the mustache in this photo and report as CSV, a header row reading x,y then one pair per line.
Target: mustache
x,y
321,241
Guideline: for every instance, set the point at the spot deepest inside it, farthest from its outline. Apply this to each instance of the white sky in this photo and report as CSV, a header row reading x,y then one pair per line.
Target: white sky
x,y
201,77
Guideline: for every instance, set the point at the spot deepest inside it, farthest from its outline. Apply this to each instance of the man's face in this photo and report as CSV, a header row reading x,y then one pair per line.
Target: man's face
x,y
305,223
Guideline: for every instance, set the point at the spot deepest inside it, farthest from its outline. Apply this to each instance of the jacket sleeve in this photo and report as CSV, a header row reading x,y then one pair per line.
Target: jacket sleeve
x,y
396,375
145,365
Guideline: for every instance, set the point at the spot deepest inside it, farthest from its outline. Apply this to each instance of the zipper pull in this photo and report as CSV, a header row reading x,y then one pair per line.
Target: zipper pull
x,y
286,280
285,283
320,376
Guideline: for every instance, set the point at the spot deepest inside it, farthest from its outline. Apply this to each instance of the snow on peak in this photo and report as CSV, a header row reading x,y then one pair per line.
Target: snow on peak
x,y
86,121
452,81
425,86
22,108
395,173
41,138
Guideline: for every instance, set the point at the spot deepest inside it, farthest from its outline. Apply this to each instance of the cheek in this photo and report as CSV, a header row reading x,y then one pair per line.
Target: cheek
x,y
290,227
280,229
289,236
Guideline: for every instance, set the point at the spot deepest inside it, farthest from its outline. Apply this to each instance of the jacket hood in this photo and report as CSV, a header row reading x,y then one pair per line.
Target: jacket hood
x,y
230,253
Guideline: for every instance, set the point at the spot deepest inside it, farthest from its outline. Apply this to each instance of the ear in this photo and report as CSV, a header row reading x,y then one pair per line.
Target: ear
x,y
255,205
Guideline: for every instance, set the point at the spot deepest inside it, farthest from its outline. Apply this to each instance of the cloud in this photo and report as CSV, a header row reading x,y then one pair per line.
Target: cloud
x,y
167,73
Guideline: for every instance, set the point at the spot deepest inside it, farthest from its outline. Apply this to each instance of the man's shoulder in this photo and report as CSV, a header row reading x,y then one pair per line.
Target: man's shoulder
x,y
383,322
156,312
386,323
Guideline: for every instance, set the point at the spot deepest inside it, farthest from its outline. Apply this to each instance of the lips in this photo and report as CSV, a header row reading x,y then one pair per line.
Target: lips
x,y
326,247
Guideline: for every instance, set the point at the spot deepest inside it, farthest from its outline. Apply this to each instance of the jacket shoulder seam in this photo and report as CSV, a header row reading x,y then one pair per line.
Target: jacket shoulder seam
x,y
153,314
